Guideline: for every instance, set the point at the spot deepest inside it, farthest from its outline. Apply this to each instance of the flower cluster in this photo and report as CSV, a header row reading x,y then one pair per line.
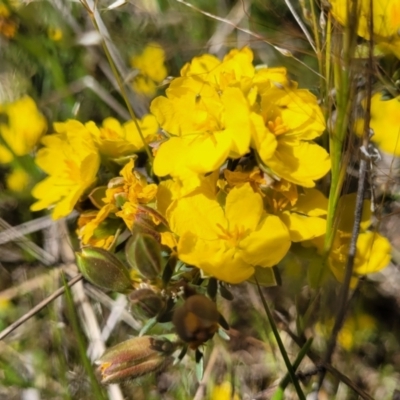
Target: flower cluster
x,y
232,182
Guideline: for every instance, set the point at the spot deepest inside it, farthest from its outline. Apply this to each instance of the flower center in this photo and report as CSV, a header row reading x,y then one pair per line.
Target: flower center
x,y
277,126
233,236
73,170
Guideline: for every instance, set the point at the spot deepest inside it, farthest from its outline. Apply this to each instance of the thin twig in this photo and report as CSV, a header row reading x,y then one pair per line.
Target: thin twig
x,y
345,288
14,233
301,25
223,30
88,82
32,248
38,307
210,365
93,333
282,51
30,285
108,302
316,359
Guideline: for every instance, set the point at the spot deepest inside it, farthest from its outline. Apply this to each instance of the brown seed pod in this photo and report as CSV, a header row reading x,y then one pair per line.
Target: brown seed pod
x,y
197,320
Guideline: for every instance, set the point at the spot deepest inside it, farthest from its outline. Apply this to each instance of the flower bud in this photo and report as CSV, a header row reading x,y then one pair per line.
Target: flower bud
x,y
103,269
135,357
147,301
143,253
197,320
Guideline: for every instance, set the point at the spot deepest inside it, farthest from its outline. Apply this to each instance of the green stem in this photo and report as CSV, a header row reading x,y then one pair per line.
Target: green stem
x,y
288,364
120,84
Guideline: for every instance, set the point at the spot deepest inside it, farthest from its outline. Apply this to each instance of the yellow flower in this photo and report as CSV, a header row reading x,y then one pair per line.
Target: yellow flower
x,y
71,160
135,185
385,122
304,216
21,126
205,127
373,251
116,140
295,119
124,197
356,330
225,242
96,229
236,69
18,180
55,34
386,21
223,392
152,70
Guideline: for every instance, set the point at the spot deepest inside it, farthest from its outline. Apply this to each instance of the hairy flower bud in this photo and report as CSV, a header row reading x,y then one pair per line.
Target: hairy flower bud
x,y
147,301
135,357
143,253
197,320
103,269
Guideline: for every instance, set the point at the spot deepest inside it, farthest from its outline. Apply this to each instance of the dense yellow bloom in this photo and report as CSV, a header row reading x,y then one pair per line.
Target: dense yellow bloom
x,y
21,126
386,21
235,70
116,140
71,160
216,107
152,70
205,127
226,242
385,122
304,214
295,119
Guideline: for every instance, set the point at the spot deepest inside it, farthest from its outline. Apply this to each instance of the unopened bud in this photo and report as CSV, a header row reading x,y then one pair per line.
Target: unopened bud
x,y
147,301
103,269
135,357
143,252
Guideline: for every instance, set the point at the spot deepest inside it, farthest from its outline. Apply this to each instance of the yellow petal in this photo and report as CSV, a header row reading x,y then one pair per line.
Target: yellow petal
x,y
312,203
374,253
385,122
243,208
301,163
303,227
262,139
198,213
213,259
267,245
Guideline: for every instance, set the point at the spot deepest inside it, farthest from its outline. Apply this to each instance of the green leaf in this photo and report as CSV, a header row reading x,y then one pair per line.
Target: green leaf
x,y
265,277
199,365
147,326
